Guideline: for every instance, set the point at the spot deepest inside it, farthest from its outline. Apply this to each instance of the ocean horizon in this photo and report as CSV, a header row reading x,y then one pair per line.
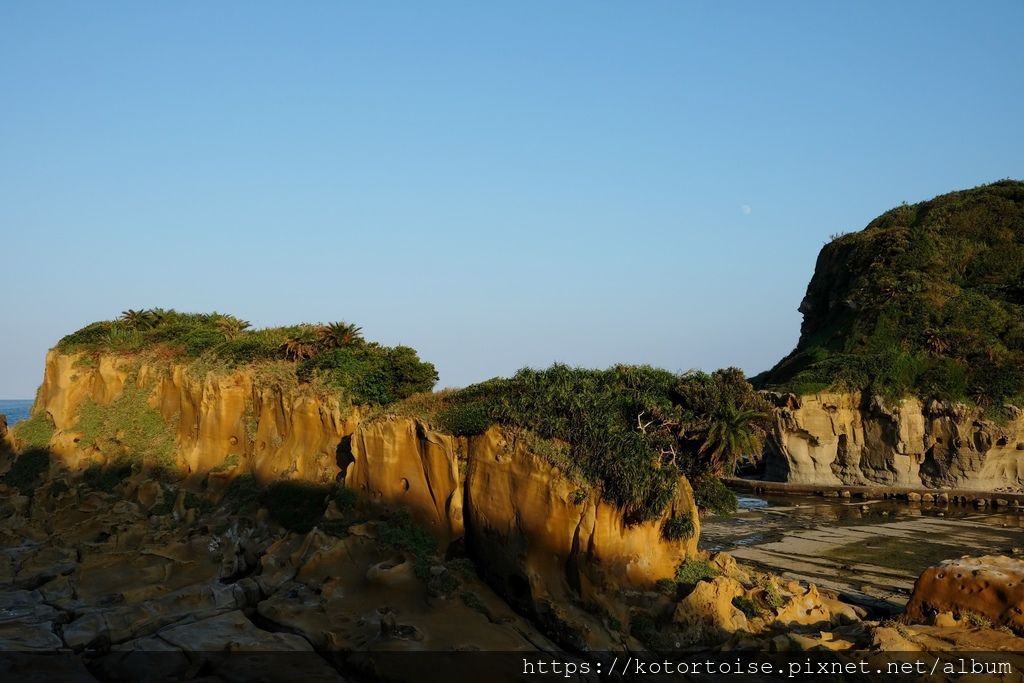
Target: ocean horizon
x,y
16,409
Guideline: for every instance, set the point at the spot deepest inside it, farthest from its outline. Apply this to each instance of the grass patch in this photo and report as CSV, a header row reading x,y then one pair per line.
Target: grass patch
x,y
632,430
473,601
344,498
770,592
334,355
694,570
36,431
131,422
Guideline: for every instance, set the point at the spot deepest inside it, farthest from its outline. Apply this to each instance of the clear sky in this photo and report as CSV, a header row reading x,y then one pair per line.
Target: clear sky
x,y
497,184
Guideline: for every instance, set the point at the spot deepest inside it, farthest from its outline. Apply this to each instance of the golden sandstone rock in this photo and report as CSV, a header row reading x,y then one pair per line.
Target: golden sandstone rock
x,y
708,612
973,589
857,439
272,430
521,517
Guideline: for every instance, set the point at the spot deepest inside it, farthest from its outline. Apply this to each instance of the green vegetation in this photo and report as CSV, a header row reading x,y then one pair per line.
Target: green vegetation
x,y
401,533
677,527
243,494
369,373
927,300
629,429
27,468
770,592
345,499
694,570
139,429
335,354
712,496
59,488
646,629
35,432
746,605
107,477
295,505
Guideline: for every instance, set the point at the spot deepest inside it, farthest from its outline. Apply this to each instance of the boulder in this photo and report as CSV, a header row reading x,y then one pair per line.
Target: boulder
x,y
811,607
707,614
990,586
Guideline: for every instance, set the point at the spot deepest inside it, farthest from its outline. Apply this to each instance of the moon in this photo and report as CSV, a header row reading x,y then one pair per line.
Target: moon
x,y
745,208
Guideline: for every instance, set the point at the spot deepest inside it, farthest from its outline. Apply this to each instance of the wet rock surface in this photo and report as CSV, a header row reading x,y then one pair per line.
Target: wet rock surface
x,y
870,552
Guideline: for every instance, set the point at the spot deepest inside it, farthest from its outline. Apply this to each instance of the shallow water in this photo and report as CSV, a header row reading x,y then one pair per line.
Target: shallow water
x,y
868,551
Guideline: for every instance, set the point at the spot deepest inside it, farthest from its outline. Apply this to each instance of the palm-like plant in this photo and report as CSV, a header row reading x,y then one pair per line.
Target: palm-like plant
x,y
231,327
731,433
300,346
339,334
141,319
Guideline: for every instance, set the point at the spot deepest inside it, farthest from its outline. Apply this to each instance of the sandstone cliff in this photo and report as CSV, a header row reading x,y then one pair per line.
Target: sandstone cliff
x,y
857,439
267,428
540,537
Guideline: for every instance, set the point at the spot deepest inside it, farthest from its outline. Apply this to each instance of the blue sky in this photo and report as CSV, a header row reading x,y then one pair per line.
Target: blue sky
x,y
495,184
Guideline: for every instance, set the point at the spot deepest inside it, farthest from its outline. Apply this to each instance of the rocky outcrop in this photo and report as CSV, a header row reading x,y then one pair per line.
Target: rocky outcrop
x,y
405,462
265,427
540,537
857,439
972,590
546,541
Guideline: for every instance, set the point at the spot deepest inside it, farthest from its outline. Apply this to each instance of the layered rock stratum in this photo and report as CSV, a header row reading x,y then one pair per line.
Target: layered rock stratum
x,y
852,439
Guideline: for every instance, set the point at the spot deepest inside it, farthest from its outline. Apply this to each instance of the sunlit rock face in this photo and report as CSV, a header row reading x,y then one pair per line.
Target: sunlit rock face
x,y
859,439
268,429
544,540
535,535
987,590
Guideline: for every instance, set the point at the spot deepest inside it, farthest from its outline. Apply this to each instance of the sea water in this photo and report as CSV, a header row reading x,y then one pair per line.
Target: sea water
x,y
16,410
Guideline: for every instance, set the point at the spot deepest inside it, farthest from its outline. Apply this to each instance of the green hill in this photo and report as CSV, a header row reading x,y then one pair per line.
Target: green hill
x,y
928,299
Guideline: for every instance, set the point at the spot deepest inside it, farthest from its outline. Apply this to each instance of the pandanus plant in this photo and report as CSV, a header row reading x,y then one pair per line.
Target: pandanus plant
x,y
338,334
231,327
300,346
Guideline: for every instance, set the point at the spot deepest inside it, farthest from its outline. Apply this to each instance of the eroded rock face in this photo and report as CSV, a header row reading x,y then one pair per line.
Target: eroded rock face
x,y
990,587
545,542
708,612
542,539
217,419
403,461
856,439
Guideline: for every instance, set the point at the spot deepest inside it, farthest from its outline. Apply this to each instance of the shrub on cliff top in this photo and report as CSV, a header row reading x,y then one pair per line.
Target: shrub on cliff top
x,y
335,354
927,300
632,429
369,373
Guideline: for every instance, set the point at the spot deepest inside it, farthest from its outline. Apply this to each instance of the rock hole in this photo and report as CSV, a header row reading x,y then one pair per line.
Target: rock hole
x,y
404,484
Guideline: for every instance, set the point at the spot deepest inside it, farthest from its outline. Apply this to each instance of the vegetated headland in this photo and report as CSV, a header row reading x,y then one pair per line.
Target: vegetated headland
x,y
187,482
